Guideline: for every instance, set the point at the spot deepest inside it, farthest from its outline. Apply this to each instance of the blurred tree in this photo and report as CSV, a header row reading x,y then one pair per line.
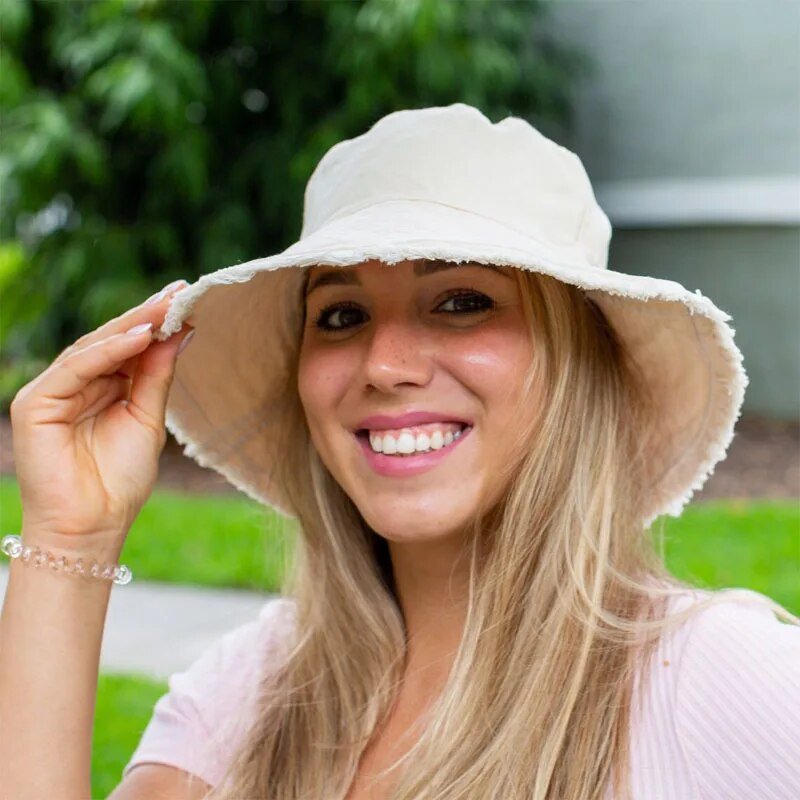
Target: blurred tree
x,y
144,140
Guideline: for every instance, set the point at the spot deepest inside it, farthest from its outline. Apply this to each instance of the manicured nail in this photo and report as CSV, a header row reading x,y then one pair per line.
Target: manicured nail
x,y
160,295
145,326
185,341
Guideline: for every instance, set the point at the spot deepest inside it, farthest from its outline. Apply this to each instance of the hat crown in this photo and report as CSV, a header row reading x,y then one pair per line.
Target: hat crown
x,y
453,155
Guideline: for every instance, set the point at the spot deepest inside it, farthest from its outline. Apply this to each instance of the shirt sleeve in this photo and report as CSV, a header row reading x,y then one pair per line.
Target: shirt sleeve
x,y
198,723
738,702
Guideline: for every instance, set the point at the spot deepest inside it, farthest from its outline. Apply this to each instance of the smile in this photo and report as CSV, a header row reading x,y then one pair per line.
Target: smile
x,y
406,454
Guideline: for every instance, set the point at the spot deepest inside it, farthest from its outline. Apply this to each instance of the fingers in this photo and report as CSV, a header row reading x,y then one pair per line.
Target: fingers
x,y
99,394
154,373
128,368
72,374
152,310
88,380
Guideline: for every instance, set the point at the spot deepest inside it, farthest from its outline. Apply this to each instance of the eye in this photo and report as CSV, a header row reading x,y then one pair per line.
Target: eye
x,y
344,310
465,302
470,302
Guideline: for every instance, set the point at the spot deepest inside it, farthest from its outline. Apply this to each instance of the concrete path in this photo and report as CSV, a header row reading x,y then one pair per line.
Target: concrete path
x,y
155,629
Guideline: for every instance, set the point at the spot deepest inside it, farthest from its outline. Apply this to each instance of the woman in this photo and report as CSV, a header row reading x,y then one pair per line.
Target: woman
x,y
474,423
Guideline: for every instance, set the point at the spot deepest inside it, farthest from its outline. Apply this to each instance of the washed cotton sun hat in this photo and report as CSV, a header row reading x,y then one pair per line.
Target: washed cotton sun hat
x,y
445,183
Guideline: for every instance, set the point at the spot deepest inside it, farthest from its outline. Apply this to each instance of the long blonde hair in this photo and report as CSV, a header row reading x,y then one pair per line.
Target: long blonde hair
x,y
567,598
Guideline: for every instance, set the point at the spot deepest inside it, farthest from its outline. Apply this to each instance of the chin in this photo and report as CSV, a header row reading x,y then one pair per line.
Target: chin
x,y
411,526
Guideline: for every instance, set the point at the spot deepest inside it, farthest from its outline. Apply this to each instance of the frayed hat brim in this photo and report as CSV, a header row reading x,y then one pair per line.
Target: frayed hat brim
x,y
227,383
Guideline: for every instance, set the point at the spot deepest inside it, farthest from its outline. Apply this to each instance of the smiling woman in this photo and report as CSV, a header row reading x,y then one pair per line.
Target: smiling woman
x,y
473,423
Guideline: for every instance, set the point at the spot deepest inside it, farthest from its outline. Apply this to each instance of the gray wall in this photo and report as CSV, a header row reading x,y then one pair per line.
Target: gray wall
x,y
689,128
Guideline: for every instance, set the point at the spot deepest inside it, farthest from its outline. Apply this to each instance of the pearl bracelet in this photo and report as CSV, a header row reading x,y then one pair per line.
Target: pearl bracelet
x,y
12,546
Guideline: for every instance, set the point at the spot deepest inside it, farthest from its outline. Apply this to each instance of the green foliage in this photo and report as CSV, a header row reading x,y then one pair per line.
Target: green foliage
x,y
145,140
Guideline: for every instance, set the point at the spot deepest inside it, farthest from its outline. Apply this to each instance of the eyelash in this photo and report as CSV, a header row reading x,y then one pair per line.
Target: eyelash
x,y
456,294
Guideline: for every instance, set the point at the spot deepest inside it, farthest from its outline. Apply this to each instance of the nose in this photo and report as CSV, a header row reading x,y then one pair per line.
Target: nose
x,y
397,354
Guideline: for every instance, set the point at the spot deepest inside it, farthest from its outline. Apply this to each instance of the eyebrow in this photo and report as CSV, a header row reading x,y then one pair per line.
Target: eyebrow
x,y
340,277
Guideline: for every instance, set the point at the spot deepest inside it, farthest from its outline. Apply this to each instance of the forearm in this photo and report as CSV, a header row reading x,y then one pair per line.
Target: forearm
x,y
51,631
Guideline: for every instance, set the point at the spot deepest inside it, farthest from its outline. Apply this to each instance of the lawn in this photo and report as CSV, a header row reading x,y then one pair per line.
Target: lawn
x,y
124,707
750,544
232,541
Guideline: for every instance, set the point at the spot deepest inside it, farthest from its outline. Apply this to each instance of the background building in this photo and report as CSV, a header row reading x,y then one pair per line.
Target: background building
x,y
689,128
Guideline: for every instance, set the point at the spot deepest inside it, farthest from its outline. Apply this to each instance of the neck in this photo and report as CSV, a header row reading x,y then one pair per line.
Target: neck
x,y
431,581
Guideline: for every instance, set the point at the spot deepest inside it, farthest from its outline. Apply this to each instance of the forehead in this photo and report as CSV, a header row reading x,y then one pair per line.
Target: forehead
x,y
317,276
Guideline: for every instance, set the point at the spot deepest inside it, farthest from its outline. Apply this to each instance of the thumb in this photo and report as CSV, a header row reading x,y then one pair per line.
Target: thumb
x,y
153,378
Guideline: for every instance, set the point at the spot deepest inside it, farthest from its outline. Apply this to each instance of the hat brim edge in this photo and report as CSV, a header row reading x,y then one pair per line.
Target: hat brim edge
x,y
639,288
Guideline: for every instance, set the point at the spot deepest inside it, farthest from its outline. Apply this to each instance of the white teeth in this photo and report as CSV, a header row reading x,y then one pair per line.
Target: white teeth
x,y
406,443
389,445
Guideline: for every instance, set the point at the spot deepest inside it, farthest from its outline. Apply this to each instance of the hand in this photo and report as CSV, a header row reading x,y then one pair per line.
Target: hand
x,y
88,431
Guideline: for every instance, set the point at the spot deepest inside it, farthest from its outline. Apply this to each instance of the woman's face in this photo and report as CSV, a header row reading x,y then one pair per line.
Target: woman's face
x,y
417,336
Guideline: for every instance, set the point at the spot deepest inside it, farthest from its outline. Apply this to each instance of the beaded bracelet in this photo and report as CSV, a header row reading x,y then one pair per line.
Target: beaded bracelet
x,y
12,546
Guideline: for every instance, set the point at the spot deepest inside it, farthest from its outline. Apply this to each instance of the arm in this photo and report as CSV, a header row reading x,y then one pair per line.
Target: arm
x,y
51,629
87,435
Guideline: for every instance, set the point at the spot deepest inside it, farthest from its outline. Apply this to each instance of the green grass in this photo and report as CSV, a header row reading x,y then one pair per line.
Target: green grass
x,y
739,543
124,707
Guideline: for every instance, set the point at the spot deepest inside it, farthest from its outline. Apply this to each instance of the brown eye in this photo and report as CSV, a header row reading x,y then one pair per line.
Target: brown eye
x,y
467,303
336,313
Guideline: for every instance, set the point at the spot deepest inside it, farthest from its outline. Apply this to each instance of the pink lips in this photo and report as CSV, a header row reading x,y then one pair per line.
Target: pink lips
x,y
406,466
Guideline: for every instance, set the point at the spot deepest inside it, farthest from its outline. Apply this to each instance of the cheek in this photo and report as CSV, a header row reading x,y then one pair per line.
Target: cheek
x,y
493,359
322,378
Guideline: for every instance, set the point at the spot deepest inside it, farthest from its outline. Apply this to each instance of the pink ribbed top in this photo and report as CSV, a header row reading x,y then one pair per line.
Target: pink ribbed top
x,y
719,718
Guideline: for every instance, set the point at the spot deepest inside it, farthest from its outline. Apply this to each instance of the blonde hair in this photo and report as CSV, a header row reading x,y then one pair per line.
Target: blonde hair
x,y
567,598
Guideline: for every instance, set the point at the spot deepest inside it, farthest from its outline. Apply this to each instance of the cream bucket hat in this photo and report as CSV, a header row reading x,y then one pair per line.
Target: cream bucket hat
x,y
445,183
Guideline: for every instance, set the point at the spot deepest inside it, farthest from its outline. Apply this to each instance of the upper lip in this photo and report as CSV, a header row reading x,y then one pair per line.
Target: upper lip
x,y
385,422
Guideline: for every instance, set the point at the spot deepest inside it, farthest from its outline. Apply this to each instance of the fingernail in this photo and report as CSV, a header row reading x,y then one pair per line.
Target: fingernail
x,y
185,341
140,328
160,295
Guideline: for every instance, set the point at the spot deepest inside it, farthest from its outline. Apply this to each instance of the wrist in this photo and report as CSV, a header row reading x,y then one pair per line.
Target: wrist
x,y
98,546
41,556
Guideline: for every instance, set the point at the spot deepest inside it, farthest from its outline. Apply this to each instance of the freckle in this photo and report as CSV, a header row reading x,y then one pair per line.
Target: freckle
x,y
666,662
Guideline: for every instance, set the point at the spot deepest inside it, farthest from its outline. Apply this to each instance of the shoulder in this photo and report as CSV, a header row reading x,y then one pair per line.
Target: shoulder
x,y
737,696
232,658
225,676
253,642
738,640
208,707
